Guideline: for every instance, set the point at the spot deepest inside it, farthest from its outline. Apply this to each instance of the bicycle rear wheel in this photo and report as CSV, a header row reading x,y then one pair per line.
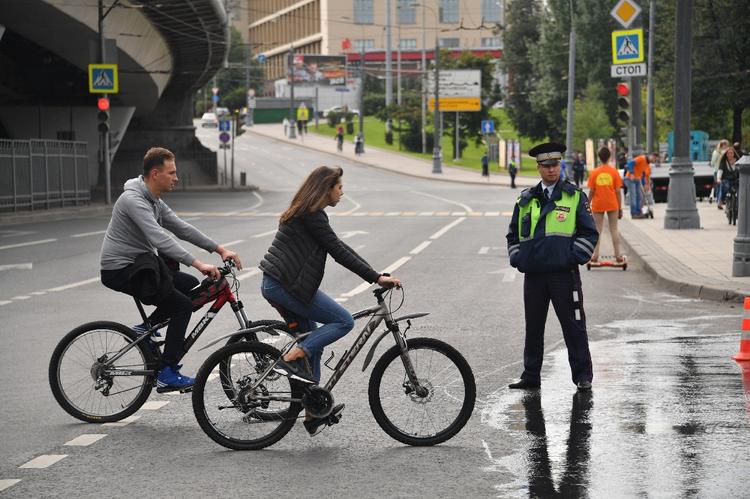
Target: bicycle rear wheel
x,y
427,418
80,386
227,408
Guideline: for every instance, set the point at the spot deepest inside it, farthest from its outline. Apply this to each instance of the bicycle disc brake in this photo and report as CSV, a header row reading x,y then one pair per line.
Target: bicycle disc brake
x,y
317,401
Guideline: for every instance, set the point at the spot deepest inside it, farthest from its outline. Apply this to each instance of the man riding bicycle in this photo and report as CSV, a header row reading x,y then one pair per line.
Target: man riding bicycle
x,y
140,258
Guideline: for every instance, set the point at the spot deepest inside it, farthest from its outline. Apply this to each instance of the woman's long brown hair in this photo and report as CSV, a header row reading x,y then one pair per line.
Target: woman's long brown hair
x,y
313,193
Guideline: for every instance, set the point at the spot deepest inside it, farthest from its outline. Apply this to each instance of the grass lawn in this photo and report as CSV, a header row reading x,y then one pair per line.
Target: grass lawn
x,y
374,131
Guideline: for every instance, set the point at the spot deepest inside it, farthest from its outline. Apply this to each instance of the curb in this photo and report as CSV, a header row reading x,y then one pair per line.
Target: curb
x,y
679,281
400,172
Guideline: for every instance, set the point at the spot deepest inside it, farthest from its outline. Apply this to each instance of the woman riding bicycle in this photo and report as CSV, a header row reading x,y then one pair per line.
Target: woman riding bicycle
x,y
293,270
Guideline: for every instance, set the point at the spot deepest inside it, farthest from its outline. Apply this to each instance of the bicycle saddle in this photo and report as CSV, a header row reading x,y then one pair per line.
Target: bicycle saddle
x,y
291,319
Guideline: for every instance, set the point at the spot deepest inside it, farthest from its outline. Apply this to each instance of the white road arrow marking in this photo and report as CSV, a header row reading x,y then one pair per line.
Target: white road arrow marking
x,y
16,266
509,274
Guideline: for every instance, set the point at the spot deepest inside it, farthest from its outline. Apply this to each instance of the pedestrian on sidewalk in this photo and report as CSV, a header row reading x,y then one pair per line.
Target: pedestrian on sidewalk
x,y
485,165
551,233
340,139
634,182
512,171
578,169
285,122
728,173
359,144
715,158
605,192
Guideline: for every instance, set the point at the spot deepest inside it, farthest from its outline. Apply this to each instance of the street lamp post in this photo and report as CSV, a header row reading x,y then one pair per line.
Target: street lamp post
x,y
292,132
571,88
424,85
681,211
436,163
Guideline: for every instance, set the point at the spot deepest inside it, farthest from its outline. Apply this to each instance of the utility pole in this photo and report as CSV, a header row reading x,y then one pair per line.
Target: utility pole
x,y
388,56
681,211
437,167
398,56
650,96
571,88
424,84
292,124
362,90
249,113
104,136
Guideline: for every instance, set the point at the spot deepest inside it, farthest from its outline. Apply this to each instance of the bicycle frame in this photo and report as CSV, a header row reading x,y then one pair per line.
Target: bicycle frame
x,y
226,296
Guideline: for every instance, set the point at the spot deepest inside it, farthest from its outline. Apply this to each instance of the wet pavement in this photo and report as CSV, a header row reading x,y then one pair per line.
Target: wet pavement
x,y
669,416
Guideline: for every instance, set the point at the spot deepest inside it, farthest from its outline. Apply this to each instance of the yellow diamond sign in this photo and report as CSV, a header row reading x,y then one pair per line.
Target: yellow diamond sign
x,y
625,12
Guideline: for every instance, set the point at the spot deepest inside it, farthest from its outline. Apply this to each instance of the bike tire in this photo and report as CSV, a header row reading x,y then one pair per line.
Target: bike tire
x,y
107,333
203,390
385,362
224,368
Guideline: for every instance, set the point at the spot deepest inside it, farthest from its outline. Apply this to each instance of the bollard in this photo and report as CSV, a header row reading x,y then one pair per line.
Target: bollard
x,y
243,179
741,257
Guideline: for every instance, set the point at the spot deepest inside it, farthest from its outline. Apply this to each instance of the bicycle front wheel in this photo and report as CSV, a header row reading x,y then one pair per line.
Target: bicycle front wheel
x,y
435,410
78,380
232,410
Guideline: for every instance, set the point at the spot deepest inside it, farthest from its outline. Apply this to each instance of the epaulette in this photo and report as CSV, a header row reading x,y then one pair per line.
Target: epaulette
x,y
525,197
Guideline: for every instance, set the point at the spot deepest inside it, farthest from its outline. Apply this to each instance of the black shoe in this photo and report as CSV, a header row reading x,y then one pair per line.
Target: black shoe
x,y
584,386
525,384
295,369
316,425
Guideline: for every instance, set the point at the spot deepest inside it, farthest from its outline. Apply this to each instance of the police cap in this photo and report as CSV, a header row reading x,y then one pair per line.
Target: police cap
x,y
547,153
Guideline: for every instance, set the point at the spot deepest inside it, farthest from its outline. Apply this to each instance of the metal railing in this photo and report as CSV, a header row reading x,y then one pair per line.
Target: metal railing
x,y
42,174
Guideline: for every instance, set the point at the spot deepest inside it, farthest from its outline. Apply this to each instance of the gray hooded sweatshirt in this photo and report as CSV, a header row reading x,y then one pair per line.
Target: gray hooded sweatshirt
x,y
137,227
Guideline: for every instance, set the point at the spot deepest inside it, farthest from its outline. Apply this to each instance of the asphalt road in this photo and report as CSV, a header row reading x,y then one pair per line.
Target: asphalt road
x,y
447,244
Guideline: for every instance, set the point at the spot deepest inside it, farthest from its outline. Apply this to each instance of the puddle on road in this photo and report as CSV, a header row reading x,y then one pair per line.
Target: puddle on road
x,y
668,417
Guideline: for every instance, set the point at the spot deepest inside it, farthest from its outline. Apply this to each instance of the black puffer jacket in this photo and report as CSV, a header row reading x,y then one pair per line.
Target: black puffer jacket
x,y
297,256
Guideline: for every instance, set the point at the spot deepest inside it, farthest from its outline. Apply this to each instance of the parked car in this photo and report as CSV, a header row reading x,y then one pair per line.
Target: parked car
x,y
338,109
208,120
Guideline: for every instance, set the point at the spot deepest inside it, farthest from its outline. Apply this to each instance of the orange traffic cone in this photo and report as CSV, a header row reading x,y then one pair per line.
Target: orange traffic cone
x,y
744,353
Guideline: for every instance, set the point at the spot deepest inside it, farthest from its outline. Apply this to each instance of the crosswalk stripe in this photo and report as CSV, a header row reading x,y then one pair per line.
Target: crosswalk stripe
x,y
123,422
154,405
8,482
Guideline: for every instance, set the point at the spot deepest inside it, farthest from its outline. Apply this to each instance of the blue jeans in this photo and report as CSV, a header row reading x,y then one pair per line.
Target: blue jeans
x,y
634,193
335,320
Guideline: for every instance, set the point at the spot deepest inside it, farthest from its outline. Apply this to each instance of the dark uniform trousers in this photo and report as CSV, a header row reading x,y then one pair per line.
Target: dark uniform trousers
x,y
564,290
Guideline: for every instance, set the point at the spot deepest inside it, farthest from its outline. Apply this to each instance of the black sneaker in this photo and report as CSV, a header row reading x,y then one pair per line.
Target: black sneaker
x,y
295,369
316,425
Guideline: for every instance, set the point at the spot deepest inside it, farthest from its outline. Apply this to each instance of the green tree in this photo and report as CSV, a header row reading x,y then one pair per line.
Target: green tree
x,y
591,118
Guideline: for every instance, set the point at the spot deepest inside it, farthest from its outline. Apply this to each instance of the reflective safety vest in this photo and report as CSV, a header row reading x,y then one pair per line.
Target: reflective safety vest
x,y
561,221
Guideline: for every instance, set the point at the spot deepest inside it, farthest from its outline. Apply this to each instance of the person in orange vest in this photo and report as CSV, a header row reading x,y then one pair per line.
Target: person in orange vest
x,y
605,194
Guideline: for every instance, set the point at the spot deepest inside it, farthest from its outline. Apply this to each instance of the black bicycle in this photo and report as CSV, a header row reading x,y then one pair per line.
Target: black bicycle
x,y
104,371
421,391
731,203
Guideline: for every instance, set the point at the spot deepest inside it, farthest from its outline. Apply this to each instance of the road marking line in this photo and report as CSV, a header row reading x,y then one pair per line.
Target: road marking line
x,y
359,289
44,461
360,214
86,234
464,206
447,228
253,207
190,219
38,293
74,285
491,213
395,265
475,214
30,243
86,440
232,243
8,482
154,405
264,234
123,422
4,302
21,297
484,250
426,213
376,214
458,213
340,300
419,248
17,266
251,272
393,214
442,213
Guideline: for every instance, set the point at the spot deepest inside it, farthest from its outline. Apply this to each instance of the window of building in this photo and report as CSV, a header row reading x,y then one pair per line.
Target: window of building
x,y
448,43
408,43
491,42
407,12
448,11
491,11
358,45
363,11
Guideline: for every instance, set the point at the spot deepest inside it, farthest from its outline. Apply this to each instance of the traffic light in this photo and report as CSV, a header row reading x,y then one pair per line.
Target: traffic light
x,y
103,115
623,102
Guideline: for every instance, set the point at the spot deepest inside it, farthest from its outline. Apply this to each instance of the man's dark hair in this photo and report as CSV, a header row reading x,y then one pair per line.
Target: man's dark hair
x,y
603,154
155,158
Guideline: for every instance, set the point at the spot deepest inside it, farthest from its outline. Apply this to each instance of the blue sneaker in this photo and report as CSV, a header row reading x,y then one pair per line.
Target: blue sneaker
x,y
170,380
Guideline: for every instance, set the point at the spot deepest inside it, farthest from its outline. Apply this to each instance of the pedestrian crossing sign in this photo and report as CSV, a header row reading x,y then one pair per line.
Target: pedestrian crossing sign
x,y
627,46
103,79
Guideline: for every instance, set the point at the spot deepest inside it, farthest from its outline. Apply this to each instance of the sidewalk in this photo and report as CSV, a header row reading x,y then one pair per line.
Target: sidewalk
x,y
392,161
696,263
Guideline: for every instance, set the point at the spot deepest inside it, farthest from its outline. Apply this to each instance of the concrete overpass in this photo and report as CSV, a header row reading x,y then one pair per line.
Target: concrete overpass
x,y
165,50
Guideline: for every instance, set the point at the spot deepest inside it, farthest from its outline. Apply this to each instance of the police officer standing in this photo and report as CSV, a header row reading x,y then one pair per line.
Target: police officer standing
x,y
551,233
